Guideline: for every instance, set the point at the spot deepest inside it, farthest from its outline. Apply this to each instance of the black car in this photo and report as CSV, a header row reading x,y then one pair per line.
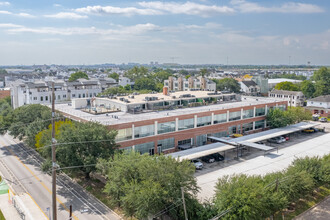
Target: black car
x,y
218,157
208,159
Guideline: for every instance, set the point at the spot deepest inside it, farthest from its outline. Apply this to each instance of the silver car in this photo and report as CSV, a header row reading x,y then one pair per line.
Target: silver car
x,y
198,164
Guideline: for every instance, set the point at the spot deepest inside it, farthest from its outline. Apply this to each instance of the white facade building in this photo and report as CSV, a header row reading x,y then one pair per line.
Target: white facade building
x,y
39,92
250,87
183,84
123,81
294,98
320,105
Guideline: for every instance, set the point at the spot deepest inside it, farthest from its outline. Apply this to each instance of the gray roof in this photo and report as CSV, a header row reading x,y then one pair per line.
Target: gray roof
x,y
249,83
286,92
323,98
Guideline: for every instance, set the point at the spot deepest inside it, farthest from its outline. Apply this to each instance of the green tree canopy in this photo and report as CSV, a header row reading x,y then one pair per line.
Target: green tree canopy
x,y
78,75
85,144
228,84
137,72
287,86
308,88
114,76
278,118
144,185
322,81
160,76
145,83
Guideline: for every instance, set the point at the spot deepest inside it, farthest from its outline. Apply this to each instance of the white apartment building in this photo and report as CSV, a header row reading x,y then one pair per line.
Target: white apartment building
x,y
319,105
294,98
250,87
192,83
39,92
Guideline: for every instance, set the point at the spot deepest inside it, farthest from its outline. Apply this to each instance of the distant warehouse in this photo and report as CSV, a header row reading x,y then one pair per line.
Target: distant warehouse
x,y
163,123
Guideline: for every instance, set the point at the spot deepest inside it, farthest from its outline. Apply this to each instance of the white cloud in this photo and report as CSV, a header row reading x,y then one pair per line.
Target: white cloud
x,y
4,3
109,10
123,30
188,8
6,12
57,5
66,15
9,25
289,7
26,15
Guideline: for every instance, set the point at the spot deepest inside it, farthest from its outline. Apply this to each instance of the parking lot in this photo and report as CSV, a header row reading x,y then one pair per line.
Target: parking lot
x,y
254,162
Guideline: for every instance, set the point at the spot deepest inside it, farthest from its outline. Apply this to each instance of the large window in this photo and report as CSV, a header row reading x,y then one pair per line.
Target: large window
x,y
247,127
233,116
248,113
124,134
201,140
260,111
259,124
165,144
145,148
220,118
282,107
186,124
166,127
202,121
221,134
144,131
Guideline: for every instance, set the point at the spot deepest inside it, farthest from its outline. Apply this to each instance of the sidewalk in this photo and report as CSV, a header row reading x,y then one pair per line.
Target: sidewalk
x,y
320,211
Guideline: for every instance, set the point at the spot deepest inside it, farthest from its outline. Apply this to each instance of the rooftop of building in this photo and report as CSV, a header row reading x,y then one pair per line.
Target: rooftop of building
x,y
286,92
141,98
249,83
323,98
279,80
122,117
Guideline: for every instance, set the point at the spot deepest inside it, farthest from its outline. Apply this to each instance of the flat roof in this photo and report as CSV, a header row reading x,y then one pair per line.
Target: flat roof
x,y
161,97
124,117
260,136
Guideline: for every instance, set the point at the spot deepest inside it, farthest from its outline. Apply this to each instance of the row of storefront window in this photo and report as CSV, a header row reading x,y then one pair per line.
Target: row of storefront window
x,y
169,143
166,127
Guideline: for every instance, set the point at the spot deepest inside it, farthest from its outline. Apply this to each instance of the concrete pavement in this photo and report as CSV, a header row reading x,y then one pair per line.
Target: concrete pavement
x,y
320,211
313,145
25,175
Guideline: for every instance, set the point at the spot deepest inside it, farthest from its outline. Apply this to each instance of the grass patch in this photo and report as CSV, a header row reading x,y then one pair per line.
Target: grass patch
x,y
305,203
1,216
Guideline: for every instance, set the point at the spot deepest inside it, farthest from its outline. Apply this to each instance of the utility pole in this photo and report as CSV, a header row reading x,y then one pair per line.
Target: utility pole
x,y
53,156
184,204
70,215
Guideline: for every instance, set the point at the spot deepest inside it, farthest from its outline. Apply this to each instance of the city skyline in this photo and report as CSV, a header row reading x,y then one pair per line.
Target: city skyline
x,y
186,32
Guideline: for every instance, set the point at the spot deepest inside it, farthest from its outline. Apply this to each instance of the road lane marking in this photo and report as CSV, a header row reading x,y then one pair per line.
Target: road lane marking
x,y
39,181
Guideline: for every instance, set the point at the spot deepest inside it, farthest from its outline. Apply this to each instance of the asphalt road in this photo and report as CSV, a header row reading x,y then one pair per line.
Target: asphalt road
x,y
21,167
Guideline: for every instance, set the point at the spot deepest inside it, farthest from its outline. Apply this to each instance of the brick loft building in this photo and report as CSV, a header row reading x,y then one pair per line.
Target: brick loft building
x,y
154,123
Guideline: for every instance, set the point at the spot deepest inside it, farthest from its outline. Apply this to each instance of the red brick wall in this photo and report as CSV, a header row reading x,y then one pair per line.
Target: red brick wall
x,y
4,93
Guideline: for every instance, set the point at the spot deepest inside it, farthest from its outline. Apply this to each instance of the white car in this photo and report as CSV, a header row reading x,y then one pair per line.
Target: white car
x,y
198,164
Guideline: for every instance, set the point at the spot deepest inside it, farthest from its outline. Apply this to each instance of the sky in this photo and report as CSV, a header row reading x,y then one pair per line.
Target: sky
x,y
234,32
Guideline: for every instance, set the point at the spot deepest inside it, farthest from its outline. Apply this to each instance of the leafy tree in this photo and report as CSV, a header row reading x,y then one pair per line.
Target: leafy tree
x,y
187,76
322,81
20,119
228,84
203,72
114,76
78,75
136,73
144,185
183,72
308,88
278,118
145,83
160,76
5,114
289,86
85,144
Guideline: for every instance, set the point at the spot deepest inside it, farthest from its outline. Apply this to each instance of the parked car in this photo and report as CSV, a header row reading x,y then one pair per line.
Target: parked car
x,y
218,157
260,142
208,159
286,137
310,130
323,119
198,164
276,140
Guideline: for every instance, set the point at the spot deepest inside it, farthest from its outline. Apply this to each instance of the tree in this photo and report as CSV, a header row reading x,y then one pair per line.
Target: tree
x,y
308,88
203,72
85,144
228,84
136,73
160,76
276,118
289,86
183,72
20,119
145,83
144,185
322,81
78,75
114,76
